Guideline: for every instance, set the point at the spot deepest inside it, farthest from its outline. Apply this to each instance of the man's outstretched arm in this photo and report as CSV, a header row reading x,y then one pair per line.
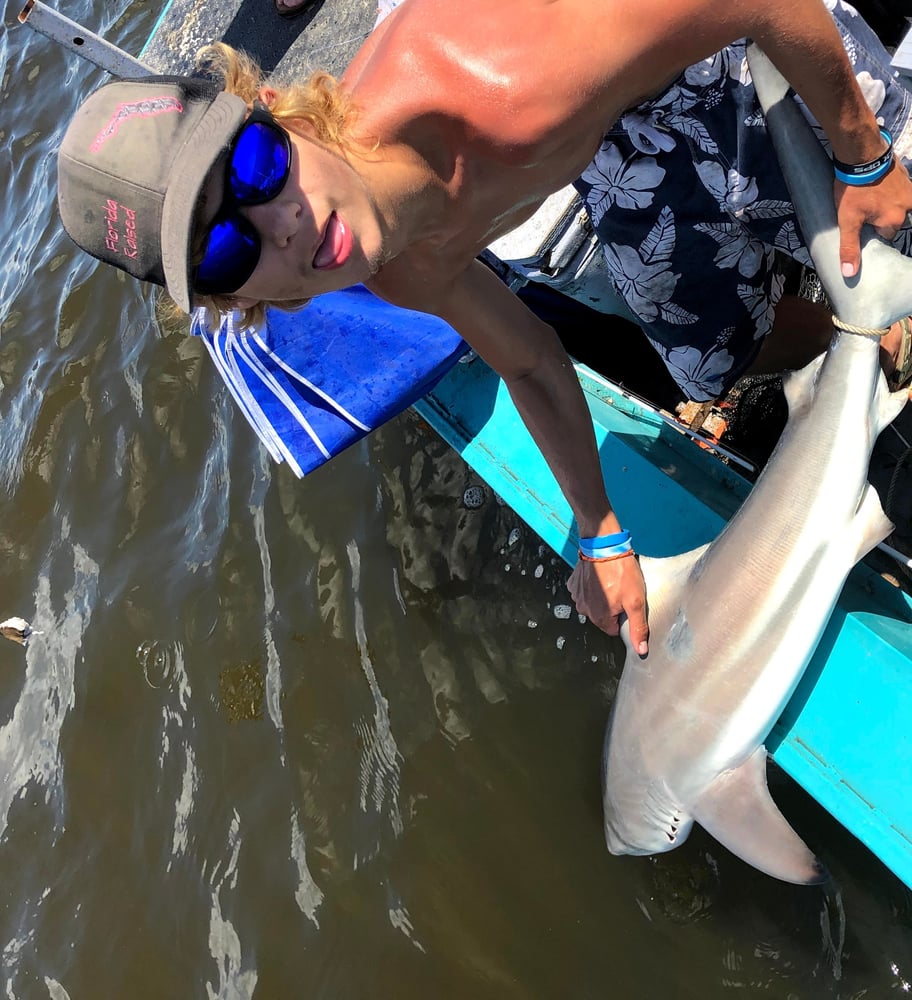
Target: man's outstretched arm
x,y
645,51
805,45
527,354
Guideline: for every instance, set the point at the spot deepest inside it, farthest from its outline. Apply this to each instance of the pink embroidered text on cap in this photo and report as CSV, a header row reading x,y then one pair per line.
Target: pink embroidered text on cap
x,y
134,109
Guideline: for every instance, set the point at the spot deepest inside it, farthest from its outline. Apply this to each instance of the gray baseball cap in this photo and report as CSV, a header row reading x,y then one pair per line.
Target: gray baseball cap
x,y
130,171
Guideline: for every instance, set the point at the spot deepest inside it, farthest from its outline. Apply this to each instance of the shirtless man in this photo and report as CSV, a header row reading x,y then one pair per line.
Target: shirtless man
x,y
470,113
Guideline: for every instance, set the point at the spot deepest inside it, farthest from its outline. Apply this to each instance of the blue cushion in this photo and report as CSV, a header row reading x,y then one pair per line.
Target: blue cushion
x,y
313,382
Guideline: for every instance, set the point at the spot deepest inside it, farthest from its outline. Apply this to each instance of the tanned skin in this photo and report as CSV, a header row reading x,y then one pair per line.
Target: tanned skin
x,y
472,112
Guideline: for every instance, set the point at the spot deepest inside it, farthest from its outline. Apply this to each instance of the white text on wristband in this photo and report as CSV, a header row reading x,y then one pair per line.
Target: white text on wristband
x,y
859,174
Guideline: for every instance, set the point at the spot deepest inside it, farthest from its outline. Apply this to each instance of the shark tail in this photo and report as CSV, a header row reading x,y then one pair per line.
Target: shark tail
x,y
738,811
882,291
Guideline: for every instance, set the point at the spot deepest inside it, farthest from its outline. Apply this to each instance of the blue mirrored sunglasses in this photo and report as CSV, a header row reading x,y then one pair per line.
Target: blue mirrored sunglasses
x,y
257,167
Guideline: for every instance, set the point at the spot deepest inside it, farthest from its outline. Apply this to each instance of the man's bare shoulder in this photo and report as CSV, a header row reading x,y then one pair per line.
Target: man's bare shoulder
x,y
485,63
526,66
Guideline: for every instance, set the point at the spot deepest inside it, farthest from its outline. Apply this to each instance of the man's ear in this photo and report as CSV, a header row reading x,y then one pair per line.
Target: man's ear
x,y
268,95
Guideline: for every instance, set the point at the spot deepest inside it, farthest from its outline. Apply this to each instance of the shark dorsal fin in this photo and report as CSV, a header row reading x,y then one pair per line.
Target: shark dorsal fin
x,y
738,811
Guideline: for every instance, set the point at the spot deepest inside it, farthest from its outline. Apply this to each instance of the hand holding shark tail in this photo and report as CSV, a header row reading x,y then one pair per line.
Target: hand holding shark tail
x,y
881,292
884,206
734,624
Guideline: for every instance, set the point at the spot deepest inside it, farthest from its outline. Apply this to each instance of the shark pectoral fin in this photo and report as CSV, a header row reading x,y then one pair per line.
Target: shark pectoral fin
x,y
738,811
870,525
667,576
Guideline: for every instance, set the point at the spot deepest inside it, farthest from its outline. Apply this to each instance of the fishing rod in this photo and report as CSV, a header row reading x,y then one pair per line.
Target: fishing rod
x,y
80,41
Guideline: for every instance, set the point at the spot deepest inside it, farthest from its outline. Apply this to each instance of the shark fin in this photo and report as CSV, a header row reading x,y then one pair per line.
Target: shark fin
x,y
738,811
666,577
798,386
670,573
887,406
869,526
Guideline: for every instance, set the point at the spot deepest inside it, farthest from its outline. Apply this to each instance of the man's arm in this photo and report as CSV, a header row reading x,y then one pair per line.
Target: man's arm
x,y
527,354
807,49
802,40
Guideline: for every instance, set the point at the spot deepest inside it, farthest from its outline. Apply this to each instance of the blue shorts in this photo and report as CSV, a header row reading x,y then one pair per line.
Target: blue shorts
x,y
691,208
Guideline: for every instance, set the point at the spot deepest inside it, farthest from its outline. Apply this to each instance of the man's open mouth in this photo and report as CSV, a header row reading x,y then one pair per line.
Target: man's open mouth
x,y
336,247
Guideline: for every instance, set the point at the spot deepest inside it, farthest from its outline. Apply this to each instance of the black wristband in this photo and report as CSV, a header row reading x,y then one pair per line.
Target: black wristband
x,y
858,174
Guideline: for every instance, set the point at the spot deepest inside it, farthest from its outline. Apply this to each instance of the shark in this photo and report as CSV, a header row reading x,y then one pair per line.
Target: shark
x,y
735,623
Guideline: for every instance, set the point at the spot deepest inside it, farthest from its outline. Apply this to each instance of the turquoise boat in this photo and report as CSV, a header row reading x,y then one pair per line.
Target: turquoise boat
x,y
844,736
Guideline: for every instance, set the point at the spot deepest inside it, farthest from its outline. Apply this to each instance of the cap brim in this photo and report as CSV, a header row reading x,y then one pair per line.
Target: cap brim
x,y
191,168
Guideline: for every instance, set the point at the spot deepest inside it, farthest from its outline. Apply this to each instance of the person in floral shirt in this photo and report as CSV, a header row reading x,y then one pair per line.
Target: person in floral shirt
x,y
693,213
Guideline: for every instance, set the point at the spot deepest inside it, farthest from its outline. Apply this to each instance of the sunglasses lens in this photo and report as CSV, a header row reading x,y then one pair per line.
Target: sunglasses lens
x,y
259,164
231,257
258,168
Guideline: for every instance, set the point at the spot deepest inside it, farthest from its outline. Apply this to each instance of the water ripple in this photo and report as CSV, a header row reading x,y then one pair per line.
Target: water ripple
x,y
29,742
308,894
161,663
380,757
273,672
55,990
235,982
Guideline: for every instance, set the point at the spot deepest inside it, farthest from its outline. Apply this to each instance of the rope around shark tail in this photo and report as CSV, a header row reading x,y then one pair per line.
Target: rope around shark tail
x,y
868,331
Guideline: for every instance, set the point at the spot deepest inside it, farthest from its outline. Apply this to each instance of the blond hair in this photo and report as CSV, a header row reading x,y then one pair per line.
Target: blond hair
x,y
318,102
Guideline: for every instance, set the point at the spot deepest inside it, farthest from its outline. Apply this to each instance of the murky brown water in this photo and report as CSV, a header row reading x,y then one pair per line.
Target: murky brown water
x,y
320,739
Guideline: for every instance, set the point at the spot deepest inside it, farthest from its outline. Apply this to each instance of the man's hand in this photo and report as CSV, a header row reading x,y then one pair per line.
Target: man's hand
x,y
603,591
883,205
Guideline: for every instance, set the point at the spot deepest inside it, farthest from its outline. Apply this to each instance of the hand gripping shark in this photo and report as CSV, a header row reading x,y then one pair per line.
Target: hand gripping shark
x,y
735,623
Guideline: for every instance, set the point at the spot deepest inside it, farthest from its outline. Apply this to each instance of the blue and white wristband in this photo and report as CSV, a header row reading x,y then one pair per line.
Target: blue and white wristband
x,y
603,548
859,174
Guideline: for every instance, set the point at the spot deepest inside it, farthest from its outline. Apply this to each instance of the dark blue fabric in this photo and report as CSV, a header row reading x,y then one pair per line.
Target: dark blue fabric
x,y
372,359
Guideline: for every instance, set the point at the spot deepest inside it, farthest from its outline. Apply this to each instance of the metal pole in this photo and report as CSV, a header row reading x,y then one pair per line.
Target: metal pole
x,y
76,39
